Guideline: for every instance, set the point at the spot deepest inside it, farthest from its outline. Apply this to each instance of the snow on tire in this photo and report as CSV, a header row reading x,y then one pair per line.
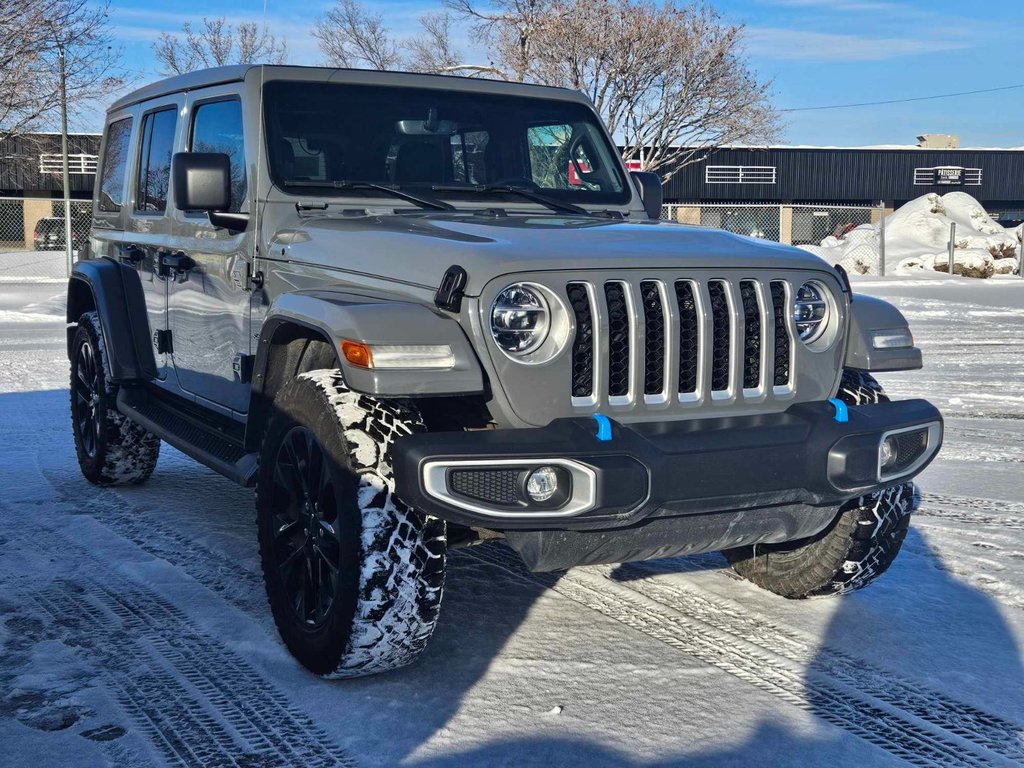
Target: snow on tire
x,y
859,545
112,449
385,594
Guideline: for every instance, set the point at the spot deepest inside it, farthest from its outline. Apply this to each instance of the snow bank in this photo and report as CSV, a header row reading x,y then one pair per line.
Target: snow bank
x,y
917,239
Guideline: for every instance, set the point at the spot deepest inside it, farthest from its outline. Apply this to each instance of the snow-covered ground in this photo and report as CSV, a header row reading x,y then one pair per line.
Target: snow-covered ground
x,y
133,627
917,240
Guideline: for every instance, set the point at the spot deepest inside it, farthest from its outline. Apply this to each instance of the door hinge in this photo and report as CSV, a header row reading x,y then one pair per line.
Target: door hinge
x,y
242,366
163,343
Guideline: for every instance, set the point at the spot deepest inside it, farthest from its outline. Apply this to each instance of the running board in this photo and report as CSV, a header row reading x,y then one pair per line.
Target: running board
x,y
208,438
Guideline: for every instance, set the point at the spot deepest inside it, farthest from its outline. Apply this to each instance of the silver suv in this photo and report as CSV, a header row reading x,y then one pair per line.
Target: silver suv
x,y
420,312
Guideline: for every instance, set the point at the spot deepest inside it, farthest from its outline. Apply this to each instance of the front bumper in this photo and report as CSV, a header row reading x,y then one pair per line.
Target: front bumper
x,y
661,488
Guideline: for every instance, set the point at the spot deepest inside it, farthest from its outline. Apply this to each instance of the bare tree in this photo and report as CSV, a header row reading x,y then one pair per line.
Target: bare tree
x,y
432,49
671,82
349,35
33,37
509,28
217,43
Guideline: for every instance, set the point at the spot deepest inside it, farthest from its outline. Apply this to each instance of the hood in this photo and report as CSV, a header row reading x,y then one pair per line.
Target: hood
x,y
418,248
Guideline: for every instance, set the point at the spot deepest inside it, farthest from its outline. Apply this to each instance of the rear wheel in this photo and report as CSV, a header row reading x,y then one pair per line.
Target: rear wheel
x,y
111,448
859,545
354,577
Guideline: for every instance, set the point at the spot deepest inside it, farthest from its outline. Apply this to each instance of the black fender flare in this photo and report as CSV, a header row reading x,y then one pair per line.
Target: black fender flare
x,y
115,291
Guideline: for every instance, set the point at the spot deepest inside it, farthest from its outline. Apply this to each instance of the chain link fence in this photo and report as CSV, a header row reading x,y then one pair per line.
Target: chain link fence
x,y
32,238
837,233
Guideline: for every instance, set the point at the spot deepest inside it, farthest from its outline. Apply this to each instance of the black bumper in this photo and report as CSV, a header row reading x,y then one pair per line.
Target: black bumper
x,y
662,488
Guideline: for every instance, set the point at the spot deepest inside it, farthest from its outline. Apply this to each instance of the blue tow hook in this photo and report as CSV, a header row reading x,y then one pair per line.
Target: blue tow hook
x,y
842,412
604,427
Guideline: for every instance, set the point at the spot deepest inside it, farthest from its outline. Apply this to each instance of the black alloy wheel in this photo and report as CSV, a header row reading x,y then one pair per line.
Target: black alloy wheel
x,y
87,398
307,536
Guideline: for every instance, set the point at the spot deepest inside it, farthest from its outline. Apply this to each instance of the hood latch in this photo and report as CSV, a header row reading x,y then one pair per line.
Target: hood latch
x,y
450,292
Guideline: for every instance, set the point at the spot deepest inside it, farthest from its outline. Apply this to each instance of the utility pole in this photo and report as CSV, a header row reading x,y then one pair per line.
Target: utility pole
x,y
64,156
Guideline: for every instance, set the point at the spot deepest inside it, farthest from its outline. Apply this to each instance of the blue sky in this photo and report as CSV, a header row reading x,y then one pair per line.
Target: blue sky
x,y
816,52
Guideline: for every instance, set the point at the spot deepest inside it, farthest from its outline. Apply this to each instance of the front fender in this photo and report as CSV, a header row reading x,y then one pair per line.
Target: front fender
x,y
373,321
115,292
868,314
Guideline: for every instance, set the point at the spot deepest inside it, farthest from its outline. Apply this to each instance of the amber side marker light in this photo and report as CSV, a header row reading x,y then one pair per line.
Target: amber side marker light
x,y
357,353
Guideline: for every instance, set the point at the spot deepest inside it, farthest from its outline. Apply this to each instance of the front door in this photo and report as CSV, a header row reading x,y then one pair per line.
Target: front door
x,y
208,301
148,227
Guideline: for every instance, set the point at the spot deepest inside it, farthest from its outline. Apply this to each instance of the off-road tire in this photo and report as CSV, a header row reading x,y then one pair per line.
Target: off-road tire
x,y
854,550
387,592
112,449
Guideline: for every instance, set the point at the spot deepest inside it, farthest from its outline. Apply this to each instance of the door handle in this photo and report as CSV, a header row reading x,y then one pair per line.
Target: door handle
x,y
177,261
175,265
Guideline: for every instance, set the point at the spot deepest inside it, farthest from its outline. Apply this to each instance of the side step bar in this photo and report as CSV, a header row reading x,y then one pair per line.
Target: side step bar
x,y
215,442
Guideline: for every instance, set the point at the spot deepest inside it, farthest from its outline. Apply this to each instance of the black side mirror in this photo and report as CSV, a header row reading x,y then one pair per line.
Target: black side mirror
x,y
202,182
649,187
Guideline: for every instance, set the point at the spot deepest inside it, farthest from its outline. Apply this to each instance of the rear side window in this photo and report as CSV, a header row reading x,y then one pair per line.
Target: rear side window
x,y
155,160
217,127
115,160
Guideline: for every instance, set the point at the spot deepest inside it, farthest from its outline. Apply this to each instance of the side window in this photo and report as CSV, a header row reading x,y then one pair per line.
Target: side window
x,y
217,127
549,163
115,161
155,160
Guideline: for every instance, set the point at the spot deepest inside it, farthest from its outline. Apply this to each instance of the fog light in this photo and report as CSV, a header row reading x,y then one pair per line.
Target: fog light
x,y
889,453
542,484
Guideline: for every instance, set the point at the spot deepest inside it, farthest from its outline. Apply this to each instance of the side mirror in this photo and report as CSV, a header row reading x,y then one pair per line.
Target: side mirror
x,y
202,182
649,187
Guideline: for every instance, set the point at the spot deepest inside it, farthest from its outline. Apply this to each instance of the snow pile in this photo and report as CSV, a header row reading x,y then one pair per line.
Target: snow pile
x,y
917,238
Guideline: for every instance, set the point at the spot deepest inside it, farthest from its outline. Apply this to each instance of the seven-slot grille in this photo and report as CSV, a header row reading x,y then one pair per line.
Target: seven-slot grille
x,y
694,323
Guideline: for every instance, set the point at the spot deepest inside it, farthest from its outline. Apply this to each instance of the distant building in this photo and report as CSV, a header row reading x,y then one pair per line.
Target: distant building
x,y
853,175
31,183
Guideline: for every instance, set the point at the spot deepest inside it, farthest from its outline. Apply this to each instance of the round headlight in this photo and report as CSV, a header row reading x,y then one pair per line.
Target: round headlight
x,y
520,319
810,311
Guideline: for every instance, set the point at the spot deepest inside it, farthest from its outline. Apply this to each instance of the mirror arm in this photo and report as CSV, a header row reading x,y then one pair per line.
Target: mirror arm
x,y
233,222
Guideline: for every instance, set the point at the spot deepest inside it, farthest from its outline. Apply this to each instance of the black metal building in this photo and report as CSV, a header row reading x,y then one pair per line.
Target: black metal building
x,y
30,165
851,176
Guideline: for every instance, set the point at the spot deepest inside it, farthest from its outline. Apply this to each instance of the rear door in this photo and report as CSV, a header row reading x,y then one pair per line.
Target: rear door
x,y
148,227
208,305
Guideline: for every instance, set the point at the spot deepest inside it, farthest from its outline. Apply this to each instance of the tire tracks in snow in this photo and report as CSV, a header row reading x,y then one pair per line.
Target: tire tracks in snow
x,y
923,727
966,509
197,702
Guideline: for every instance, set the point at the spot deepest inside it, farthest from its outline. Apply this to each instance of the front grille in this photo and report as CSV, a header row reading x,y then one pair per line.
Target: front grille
x,y
721,333
690,329
583,344
751,335
618,339
654,338
781,335
689,345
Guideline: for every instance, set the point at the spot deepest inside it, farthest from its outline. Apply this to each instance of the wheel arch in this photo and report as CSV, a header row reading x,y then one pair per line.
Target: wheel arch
x,y
114,292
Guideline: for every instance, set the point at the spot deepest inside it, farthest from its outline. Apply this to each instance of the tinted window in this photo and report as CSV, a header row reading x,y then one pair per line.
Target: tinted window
x,y
155,160
322,133
115,159
217,127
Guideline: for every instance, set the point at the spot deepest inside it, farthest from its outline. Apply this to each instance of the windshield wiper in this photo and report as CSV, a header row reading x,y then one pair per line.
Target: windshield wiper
x,y
529,194
422,201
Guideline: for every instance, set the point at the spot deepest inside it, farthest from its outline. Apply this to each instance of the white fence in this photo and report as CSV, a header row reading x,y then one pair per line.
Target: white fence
x,y
795,224
32,237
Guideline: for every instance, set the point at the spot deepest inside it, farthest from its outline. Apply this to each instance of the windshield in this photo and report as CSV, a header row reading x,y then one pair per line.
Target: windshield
x,y
422,138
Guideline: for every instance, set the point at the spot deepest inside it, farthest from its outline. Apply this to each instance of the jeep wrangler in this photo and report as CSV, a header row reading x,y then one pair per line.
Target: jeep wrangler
x,y
419,312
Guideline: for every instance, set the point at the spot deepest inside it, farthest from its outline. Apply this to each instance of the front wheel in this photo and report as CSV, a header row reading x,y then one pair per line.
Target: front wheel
x,y
859,545
111,449
353,576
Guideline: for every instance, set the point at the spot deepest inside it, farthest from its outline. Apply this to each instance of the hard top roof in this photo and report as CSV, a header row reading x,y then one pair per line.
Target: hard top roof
x,y
235,73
